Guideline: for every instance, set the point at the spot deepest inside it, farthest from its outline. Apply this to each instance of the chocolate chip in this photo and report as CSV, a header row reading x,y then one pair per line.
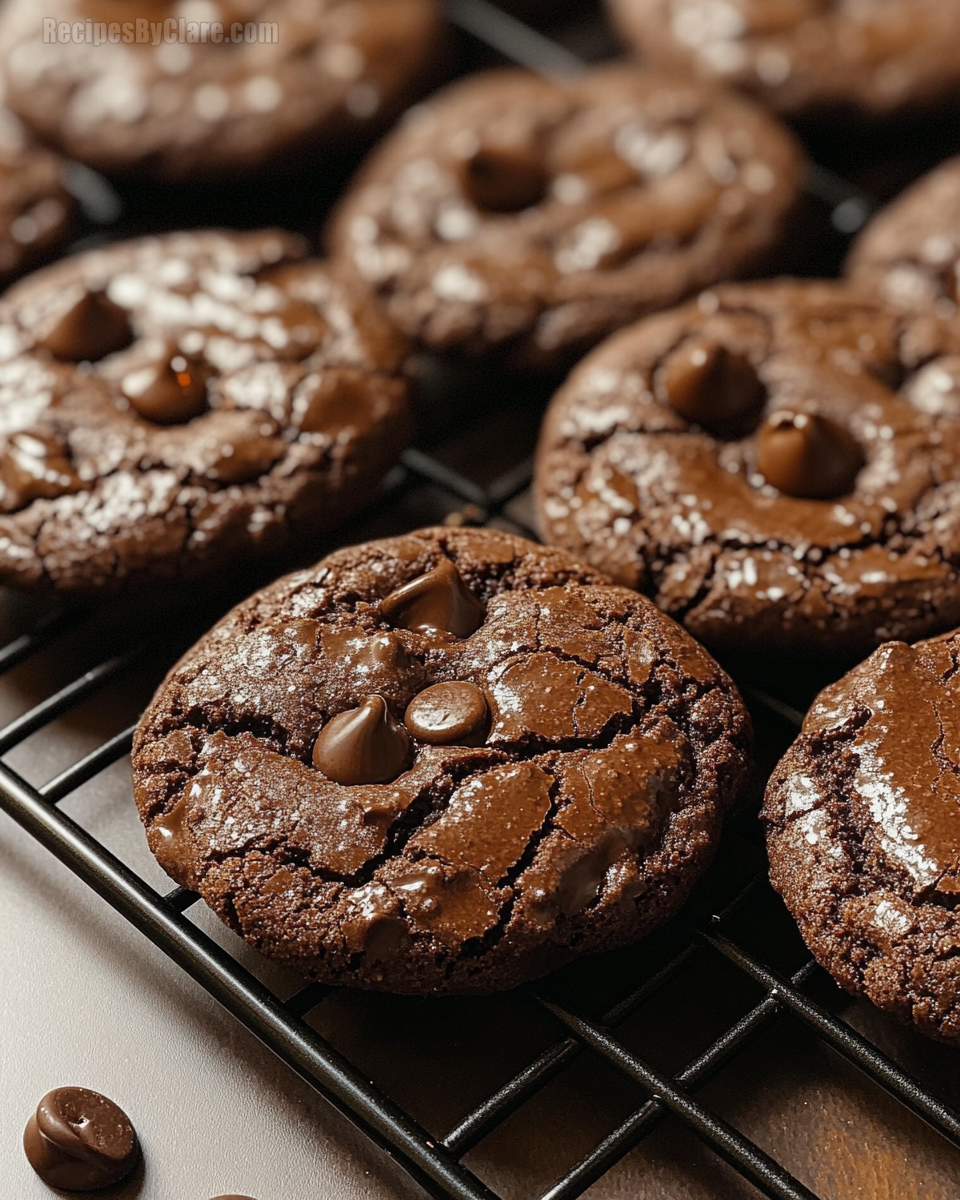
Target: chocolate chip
x,y
449,714
171,391
808,456
80,1140
35,466
713,387
504,177
91,328
436,602
364,745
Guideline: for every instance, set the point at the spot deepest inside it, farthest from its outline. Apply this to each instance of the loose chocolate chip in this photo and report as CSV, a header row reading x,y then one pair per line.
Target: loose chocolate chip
x,y
364,745
34,466
80,1140
505,178
448,714
169,392
713,387
808,456
438,601
91,328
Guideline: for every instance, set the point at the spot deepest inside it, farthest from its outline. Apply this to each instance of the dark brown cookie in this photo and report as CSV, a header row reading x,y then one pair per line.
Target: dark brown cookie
x,y
321,75
445,762
534,217
746,460
864,837
36,210
174,403
807,58
910,251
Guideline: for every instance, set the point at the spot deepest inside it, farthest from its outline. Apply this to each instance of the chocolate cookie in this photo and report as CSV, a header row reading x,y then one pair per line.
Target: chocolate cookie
x,y
746,460
36,210
863,834
445,762
812,59
174,403
287,78
534,216
910,251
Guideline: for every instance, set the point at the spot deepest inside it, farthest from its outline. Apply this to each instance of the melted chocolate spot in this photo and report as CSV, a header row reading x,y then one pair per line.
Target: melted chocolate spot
x,y
364,745
713,387
505,178
436,602
172,829
449,714
80,1140
35,467
169,392
808,456
90,329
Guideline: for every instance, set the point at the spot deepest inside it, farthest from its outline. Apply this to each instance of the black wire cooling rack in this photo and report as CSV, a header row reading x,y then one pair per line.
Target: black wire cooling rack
x,y
734,931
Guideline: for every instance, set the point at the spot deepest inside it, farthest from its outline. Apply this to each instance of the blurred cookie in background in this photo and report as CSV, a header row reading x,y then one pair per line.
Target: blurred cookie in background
x,y
532,217
910,251
36,210
161,97
808,59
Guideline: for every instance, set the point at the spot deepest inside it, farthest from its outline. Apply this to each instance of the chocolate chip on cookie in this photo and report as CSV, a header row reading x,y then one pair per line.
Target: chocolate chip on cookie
x,y
160,93
535,216
746,461
810,59
863,835
176,403
443,798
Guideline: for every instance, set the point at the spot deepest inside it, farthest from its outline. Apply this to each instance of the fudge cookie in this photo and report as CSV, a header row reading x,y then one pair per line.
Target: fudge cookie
x,y
534,216
910,251
36,210
748,462
173,403
444,762
863,834
149,90
811,59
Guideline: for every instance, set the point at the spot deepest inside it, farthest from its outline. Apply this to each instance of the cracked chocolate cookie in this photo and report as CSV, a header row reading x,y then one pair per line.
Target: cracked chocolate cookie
x,y
171,404
534,216
776,464
444,762
910,251
863,832
36,210
183,90
812,59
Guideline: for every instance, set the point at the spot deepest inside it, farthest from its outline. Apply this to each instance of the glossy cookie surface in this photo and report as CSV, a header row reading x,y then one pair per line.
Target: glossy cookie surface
x,y
443,762
287,78
534,217
864,837
815,59
776,464
172,404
